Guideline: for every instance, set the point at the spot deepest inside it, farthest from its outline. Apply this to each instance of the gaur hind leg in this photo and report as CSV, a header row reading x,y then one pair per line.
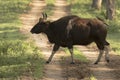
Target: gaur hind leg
x,y
100,46
99,56
55,48
106,48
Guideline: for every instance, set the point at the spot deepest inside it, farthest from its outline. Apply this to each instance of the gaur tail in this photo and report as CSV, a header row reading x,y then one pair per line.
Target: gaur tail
x,y
106,43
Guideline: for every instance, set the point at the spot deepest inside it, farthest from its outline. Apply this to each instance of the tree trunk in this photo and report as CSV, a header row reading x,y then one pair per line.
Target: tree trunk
x,y
96,4
110,9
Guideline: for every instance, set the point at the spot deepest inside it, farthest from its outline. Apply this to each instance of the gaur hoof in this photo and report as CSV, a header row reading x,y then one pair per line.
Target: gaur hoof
x,y
108,61
96,63
47,62
72,63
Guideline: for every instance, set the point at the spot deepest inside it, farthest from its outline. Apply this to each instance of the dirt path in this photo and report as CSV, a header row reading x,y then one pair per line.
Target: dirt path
x,y
61,9
52,71
30,18
103,70
56,71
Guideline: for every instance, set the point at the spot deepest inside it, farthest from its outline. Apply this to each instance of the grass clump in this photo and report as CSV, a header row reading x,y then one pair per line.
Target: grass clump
x,y
78,55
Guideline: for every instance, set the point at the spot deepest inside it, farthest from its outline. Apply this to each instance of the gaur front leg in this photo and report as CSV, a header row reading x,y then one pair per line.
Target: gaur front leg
x,y
99,57
55,48
72,57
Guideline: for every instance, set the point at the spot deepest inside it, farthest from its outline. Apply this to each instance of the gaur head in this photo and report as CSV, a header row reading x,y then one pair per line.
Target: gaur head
x,y
41,26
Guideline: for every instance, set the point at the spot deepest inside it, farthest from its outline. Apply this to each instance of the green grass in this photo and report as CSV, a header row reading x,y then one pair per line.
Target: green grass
x,y
10,31
9,10
83,9
18,57
9,20
114,35
50,2
77,55
50,7
92,78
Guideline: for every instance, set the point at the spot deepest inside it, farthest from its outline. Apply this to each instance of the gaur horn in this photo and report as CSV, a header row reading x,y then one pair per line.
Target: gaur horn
x,y
44,16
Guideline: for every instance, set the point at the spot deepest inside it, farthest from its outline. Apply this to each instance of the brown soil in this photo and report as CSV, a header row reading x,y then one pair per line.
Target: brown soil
x,y
78,71
60,67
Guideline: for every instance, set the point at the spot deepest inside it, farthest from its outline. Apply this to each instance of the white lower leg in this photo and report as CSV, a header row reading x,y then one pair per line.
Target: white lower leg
x,y
71,52
100,55
107,53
